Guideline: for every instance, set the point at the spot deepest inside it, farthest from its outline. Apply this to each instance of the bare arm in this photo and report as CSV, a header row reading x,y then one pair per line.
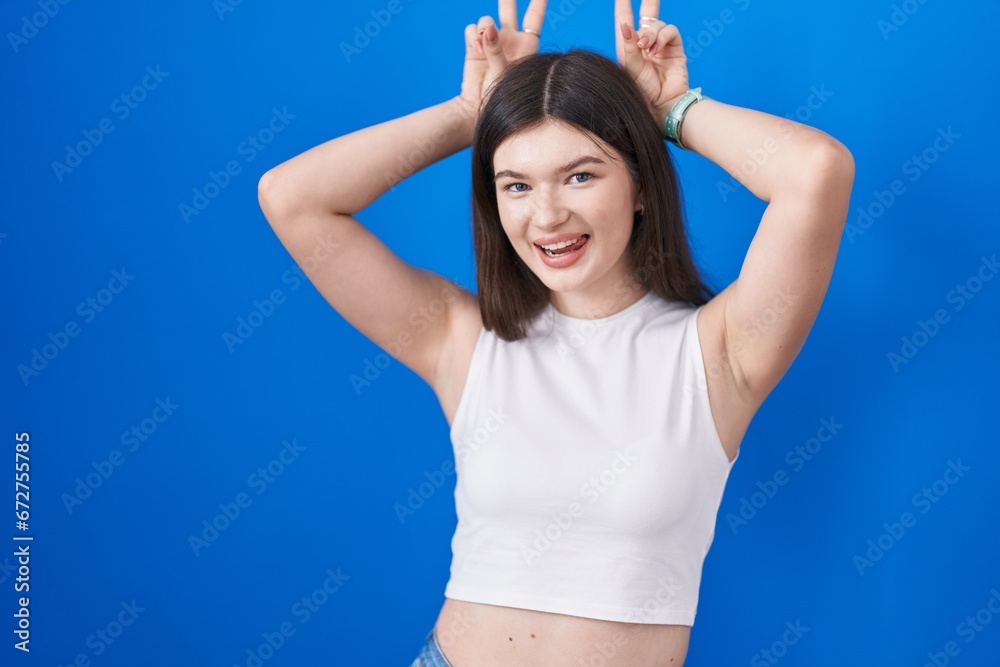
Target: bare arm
x,y
344,175
310,201
806,176
763,317
768,154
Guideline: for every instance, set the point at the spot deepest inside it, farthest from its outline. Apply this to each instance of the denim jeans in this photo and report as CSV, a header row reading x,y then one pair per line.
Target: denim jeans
x,y
430,653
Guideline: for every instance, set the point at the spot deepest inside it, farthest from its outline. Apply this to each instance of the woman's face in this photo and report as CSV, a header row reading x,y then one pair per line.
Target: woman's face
x,y
554,181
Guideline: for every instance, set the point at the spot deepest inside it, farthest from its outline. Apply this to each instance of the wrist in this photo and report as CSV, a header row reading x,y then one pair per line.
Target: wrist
x,y
461,116
673,127
660,112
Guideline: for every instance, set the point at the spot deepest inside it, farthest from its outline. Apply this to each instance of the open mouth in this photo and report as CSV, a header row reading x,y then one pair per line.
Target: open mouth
x,y
573,246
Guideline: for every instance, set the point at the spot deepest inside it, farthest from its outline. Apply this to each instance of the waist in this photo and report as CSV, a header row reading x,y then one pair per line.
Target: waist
x,y
484,635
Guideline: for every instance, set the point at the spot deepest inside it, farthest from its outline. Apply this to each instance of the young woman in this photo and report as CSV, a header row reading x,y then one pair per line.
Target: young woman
x,y
596,389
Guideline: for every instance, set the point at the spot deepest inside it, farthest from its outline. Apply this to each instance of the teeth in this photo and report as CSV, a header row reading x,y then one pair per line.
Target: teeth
x,y
563,244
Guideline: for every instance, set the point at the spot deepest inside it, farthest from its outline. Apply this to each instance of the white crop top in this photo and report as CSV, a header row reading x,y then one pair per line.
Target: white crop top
x,y
589,471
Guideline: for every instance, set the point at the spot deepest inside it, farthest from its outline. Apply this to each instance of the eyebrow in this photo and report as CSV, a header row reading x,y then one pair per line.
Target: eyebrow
x,y
586,159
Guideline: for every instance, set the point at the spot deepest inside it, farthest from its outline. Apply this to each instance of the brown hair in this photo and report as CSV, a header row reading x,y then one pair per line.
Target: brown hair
x,y
592,93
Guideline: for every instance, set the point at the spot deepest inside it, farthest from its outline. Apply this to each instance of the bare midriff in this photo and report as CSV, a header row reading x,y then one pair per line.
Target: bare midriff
x,y
482,635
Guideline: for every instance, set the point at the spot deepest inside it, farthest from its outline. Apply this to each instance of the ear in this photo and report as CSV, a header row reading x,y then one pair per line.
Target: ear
x,y
639,205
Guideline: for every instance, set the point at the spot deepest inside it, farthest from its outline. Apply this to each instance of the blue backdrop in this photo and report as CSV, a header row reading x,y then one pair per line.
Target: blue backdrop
x,y
206,482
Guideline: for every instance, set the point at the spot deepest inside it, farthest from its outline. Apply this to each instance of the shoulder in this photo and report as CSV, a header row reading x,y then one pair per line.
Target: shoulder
x,y
465,324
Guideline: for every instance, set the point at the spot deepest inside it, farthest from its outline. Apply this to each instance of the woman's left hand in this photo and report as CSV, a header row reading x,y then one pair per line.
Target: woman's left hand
x,y
654,56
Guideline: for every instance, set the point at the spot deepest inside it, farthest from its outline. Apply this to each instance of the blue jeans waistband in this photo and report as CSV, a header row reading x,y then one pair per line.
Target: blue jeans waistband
x,y
430,653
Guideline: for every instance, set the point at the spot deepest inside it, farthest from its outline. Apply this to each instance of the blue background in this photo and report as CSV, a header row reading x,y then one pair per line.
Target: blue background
x,y
162,336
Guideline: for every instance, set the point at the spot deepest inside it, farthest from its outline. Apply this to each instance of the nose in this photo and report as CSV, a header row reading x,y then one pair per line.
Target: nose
x,y
549,210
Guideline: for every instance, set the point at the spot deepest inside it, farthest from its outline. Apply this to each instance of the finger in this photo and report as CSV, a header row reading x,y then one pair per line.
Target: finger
x,y
508,15
668,34
485,23
649,9
472,41
658,44
623,14
649,14
649,32
534,16
491,46
629,57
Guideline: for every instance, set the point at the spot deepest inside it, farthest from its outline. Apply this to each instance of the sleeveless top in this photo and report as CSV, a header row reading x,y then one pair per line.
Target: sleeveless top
x,y
589,471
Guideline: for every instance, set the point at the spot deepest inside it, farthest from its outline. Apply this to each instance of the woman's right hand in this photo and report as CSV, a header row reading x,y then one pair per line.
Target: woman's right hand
x,y
488,50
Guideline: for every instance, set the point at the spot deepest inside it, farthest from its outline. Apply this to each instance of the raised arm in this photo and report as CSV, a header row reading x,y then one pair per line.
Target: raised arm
x,y
806,177
310,201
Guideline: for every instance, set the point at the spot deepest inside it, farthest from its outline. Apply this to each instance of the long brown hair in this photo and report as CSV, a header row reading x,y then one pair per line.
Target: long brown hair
x,y
592,93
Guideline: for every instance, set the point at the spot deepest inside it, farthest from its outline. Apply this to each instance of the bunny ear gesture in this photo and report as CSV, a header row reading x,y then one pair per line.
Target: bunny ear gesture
x,y
490,49
653,56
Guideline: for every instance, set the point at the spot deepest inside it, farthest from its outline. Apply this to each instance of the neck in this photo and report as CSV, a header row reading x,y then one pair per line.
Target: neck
x,y
594,305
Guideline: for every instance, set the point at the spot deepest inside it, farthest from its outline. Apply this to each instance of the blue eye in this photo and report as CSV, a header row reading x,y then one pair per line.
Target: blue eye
x,y
512,187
